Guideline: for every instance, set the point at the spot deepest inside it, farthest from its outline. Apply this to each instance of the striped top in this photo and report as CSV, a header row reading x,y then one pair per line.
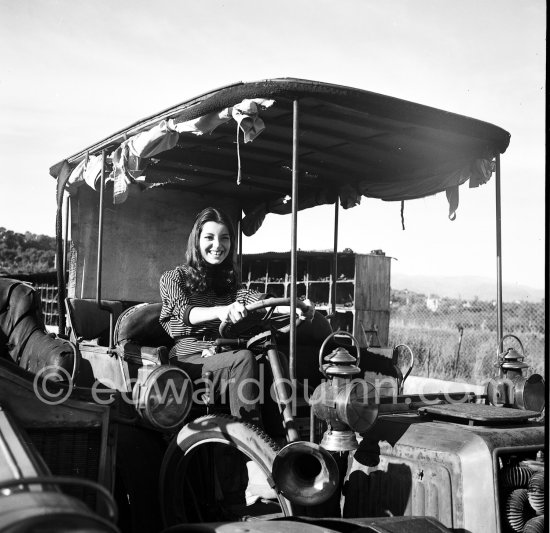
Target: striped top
x,y
177,302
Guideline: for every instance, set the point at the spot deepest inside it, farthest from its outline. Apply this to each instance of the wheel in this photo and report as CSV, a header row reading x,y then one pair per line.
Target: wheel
x,y
204,473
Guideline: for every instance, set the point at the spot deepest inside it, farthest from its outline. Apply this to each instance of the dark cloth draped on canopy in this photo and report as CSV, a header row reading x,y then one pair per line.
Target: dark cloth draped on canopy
x,y
351,143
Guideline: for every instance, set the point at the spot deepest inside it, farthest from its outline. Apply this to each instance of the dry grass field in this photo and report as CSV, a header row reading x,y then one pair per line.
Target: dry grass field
x,y
442,352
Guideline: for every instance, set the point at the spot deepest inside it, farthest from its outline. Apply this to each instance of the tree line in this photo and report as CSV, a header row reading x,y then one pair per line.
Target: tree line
x,y
25,253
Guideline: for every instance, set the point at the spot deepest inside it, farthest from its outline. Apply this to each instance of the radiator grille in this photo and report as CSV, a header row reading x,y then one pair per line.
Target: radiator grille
x,y
71,452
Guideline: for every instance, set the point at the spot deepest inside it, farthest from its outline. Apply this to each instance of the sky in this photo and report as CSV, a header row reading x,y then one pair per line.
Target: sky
x,y
75,71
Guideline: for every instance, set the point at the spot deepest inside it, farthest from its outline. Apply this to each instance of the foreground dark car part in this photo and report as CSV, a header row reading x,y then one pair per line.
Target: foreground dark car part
x,y
322,525
31,498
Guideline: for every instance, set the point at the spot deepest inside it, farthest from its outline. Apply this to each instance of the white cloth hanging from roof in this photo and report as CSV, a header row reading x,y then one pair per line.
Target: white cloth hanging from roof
x,y
131,158
87,171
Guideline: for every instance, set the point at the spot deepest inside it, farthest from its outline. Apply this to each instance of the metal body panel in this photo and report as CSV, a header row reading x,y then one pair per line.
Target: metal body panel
x,y
49,511
20,395
407,465
402,487
100,368
16,461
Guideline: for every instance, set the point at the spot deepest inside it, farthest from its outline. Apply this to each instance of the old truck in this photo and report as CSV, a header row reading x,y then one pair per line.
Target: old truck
x,y
355,444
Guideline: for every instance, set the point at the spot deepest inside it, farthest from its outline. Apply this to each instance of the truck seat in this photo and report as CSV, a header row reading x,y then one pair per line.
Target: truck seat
x,y
139,337
89,322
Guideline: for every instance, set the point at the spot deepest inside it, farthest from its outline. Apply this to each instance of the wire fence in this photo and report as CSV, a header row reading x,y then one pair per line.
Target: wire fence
x,y
48,297
45,283
454,339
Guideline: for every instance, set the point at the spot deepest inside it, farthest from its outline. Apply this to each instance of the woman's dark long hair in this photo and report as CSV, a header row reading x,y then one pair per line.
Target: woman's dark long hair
x,y
202,276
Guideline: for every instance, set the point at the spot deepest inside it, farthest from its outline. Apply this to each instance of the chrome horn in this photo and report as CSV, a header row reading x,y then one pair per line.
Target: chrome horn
x,y
303,472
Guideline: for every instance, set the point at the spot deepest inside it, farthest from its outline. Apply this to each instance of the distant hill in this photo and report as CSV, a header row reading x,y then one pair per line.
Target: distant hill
x,y
465,287
25,253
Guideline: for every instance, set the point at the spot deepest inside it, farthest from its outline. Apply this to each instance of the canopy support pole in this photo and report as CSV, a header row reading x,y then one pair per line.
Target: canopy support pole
x,y
240,249
499,256
100,252
335,258
66,236
294,244
62,175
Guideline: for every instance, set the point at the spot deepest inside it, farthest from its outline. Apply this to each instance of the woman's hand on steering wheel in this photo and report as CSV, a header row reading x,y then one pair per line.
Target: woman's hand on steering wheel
x,y
310,311
232,313
304,312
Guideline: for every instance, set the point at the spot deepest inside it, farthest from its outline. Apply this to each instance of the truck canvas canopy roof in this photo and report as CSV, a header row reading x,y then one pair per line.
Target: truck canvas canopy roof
x,y
236,142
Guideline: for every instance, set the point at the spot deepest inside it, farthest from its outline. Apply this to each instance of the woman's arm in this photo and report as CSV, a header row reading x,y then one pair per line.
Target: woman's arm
x,y
225,313
248,296
306,315
176,304
236,311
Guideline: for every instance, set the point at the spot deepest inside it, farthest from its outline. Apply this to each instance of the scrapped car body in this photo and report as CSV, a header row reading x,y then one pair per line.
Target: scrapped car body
x,y
45,450
365,442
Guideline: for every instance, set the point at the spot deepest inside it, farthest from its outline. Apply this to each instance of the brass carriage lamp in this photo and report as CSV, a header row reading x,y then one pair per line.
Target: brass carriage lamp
x,y
344,401
511,388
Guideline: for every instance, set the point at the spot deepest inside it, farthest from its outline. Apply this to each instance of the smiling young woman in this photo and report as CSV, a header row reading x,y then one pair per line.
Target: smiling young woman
x,y
214,242
196,297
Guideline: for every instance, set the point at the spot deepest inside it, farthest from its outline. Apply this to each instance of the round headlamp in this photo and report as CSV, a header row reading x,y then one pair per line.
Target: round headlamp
x,y
163,396
529,393
356,406
350,405
519,392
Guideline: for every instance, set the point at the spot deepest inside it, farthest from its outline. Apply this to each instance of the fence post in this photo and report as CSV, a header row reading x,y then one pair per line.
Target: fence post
x,y
460,333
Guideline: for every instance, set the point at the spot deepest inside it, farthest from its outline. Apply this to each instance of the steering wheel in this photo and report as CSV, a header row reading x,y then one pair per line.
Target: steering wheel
x,y
269,323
